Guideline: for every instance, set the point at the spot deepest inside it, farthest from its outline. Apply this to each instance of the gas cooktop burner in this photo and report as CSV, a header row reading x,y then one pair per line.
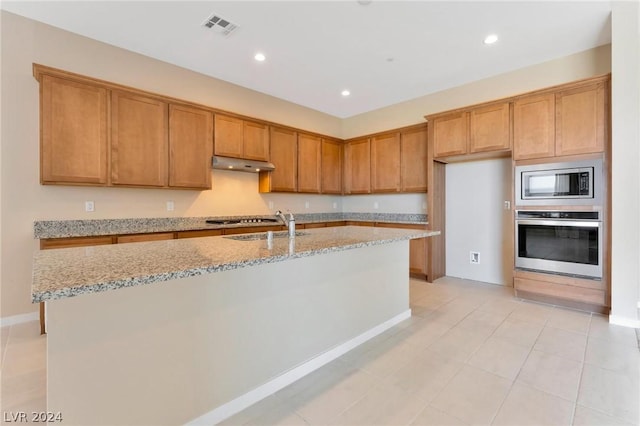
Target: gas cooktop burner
x,y
238,221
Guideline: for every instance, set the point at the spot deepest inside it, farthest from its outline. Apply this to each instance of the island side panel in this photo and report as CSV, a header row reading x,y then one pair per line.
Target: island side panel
x,y
169,352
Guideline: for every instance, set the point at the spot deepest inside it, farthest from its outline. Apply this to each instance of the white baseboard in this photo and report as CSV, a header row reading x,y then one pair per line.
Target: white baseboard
x,y
625,322
19,319
235,406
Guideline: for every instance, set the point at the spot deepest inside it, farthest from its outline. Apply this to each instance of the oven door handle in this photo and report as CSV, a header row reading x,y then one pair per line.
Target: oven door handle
x,y
571,223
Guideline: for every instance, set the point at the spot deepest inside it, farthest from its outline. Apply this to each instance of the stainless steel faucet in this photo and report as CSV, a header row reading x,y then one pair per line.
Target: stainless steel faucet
x,y
290,223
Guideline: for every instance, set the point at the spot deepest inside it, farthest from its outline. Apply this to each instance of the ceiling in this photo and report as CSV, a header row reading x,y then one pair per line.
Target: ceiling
x,y
383,52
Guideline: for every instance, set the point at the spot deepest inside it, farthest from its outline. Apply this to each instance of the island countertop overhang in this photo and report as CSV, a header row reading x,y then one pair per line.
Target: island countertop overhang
x,y
71,272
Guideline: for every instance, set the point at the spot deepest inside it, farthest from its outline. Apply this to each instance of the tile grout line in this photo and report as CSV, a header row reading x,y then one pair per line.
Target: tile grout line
x,y
584,359
6,348
513,382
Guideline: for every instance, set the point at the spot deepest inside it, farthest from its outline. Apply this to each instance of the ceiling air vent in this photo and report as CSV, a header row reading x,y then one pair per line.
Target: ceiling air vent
x,y
220,24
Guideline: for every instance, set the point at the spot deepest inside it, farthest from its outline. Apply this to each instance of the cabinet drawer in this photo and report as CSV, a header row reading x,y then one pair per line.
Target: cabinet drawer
x,y
561,290
136,238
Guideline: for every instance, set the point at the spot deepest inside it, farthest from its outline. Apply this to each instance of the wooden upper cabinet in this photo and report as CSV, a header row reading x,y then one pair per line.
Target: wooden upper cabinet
x,y
139,130
284,156
580,120
490,128
190,147
413,160
229,139
309,159
534,127
238,138
450,134
385,163
256,141
74,142
331,174
357,172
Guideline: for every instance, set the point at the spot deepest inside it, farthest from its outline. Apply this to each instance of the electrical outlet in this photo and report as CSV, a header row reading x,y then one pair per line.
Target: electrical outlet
x,y
335,205
306,204
170,206
270,205
89,206
424,206
474,257
507,205
376,205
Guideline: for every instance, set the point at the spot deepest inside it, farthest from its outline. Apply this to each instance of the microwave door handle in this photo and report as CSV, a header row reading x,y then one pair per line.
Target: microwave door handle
x,y
594,224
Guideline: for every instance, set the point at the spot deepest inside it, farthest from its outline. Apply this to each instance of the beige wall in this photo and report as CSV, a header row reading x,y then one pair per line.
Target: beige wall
x,y
23,200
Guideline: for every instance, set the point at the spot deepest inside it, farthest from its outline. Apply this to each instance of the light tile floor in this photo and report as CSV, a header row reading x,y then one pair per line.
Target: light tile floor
x,y
470,354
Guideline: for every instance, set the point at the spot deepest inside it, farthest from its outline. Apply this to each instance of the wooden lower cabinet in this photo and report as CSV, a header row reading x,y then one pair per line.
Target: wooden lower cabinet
x,y
252,229
417,250
138,238
577,293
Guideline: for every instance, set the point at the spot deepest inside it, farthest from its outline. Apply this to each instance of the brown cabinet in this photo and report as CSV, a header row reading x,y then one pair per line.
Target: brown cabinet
x,y
450,134
480,129
253,229
490,128
239,138
284,156
138,238
357,166
567,122
199,233
413,160
73,123
580,120
139,134
534,127
385,163
331,167
309,163
190,147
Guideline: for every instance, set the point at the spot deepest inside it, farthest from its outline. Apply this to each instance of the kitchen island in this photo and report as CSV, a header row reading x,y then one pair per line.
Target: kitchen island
x,y
179,331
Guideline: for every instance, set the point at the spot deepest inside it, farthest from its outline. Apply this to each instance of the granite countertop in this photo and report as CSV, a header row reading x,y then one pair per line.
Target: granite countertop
x,y
71,272
99,227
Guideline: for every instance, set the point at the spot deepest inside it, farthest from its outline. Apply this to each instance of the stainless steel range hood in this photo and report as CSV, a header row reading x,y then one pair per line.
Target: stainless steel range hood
x,y
237,164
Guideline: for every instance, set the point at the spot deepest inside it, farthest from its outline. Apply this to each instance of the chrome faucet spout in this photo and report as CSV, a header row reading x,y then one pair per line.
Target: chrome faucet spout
x,y
290,223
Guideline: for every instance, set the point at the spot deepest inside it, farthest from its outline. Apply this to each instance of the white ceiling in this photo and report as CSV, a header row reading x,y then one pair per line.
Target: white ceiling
x,y
384,52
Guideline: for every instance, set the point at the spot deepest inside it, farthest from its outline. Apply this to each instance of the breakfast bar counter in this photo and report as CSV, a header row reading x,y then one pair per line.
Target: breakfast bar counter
x,y
196,330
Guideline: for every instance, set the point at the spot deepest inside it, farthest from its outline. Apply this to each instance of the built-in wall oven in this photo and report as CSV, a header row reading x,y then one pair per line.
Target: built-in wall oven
x,y
574,183
562,242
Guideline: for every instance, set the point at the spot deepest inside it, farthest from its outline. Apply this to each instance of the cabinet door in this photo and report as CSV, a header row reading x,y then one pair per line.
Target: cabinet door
x,y
450,134
413,160
190,147
256,141
331,167
73,119
385,163
139,238
138,140
229,136
284,157
490,128
309,153
580,120
534,127
358,167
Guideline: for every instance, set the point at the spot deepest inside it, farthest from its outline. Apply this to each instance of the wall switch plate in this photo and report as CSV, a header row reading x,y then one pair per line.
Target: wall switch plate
x,y
89,206
170,206
306,204
474,257
507,205
376,205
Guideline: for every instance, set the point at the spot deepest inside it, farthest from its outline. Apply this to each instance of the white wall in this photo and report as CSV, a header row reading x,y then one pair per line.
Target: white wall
x,y
476,220
386,203
625,106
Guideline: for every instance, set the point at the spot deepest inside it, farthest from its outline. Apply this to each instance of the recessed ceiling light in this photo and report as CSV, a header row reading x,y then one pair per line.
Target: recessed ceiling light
x,y
490,39
259,57
346,93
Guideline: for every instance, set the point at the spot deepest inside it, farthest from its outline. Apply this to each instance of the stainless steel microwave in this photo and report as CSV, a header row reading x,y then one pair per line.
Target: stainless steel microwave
x,y
574,183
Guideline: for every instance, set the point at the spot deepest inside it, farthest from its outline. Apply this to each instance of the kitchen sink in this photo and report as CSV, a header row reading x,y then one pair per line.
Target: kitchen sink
x,y
262,236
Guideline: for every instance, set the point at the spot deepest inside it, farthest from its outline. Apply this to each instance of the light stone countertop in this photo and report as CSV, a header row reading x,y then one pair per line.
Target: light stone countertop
x,y
71,272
